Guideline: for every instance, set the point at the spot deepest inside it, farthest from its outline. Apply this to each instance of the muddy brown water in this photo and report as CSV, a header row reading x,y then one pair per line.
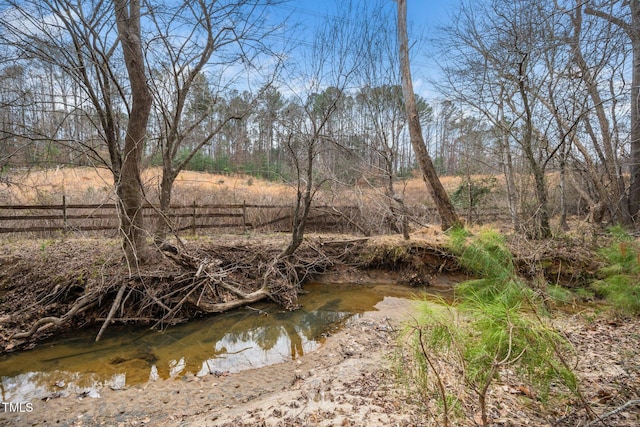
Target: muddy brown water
x,y
260,335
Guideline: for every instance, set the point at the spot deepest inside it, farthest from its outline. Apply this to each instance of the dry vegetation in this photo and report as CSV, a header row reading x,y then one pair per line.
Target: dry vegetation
x,y
368,213
369,209
75,281
95,186
90,185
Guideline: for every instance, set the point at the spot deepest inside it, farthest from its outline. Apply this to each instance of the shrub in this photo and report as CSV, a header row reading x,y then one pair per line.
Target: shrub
x,y
495,326
619,281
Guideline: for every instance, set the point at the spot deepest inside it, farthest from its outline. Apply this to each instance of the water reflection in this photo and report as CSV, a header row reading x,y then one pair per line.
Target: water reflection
x,y
243,339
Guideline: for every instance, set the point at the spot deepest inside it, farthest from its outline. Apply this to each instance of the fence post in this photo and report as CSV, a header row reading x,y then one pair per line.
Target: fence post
x,y
244,216
193,223
64,213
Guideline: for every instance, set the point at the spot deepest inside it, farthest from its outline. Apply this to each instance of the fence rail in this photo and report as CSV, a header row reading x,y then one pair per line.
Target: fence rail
x,y
192,217
66,217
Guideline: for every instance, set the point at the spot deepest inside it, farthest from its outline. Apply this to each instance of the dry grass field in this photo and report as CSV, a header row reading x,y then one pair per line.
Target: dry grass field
x,y
366,199
93,186
89,185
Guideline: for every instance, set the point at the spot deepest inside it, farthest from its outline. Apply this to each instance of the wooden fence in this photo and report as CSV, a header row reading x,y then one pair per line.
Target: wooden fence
x,y
190,217
51,219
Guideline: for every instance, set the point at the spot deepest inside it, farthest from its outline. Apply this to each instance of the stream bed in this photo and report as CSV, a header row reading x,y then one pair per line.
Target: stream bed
x,y
246,338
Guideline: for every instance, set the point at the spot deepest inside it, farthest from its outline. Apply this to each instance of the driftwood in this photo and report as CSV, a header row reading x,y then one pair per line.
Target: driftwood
x,y
226,306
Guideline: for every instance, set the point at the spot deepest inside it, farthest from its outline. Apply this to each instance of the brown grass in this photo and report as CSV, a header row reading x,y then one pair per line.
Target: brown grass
x,y
89,185
95,186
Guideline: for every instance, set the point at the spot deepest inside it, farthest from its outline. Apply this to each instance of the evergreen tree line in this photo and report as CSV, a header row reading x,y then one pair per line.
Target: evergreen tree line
x,y
540,94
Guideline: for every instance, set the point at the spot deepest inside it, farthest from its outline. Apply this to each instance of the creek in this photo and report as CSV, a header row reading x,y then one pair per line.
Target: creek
x,y
246,338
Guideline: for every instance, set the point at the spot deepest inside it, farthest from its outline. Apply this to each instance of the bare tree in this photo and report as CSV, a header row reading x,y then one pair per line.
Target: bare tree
x,y
384,109
129,188
83,40
505,61
202,61
630,25
307,130
448,216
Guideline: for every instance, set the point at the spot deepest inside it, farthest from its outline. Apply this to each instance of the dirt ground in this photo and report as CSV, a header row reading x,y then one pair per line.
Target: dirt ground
x,y
346,382
350,381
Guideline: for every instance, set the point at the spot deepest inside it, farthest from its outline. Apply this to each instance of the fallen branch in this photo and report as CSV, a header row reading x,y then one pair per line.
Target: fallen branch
x,y
619,409
126,319
176,307
224,306
156,300
46,322
113,310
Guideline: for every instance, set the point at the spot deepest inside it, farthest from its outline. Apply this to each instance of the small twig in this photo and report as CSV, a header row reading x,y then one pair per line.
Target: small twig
x,y
440,383
177,306
619,409
262,312
157,301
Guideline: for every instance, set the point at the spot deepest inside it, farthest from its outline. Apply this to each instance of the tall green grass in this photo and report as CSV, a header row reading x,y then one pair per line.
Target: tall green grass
x,y
619,281
495,326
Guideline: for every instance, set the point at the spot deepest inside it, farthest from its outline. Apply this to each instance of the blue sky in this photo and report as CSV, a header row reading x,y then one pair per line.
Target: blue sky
x,y
424,16
422,13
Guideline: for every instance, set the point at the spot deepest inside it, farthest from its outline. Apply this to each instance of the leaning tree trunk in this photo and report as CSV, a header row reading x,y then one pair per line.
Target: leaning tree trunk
x,y
448,216
129,188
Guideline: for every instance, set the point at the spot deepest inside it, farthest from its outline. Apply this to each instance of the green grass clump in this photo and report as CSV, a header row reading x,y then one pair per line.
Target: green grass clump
x,y
560,294
495,325
487,256
619,281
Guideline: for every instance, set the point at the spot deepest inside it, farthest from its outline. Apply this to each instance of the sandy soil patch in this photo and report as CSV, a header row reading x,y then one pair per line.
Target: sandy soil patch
x,y
347,381
350,381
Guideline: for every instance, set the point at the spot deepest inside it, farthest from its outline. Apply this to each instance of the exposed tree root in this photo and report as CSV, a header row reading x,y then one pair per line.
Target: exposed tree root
x,y
82,304
114,307
183,283
51,288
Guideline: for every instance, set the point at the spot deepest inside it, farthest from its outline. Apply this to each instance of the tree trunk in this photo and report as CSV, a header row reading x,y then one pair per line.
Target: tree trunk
x,y
624,206
634,191
563,188
303,203
507,166
166,189
542,228
395,199
129,188
448,216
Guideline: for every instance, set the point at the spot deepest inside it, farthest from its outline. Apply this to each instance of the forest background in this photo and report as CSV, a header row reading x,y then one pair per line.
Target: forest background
x,y
534,99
